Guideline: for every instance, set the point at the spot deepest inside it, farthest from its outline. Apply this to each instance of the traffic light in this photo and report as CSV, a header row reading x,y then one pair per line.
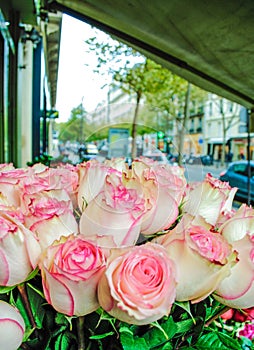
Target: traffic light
x,y
160,134
160,140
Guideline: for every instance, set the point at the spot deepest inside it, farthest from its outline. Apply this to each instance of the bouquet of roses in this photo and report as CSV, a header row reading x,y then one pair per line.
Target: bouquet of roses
x,y
107,256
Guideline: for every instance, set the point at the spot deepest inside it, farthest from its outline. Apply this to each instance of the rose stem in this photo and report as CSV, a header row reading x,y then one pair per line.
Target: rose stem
x,y
81,333
210,320
23,293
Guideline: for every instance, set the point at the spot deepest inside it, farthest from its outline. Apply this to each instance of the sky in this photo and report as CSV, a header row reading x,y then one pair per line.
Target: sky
x,y
77,83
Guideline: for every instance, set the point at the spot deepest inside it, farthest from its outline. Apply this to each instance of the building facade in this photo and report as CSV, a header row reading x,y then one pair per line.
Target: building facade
x,y
207,126
29,51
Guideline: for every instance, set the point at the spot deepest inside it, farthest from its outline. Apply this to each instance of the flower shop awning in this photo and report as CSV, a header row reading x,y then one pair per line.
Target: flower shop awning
x,y
209,43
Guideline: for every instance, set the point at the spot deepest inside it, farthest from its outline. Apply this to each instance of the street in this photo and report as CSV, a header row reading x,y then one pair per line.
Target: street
x,y
197,172
193,172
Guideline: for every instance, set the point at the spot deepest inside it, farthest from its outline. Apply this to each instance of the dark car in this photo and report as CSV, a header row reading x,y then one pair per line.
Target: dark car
x,y
88,152
237,176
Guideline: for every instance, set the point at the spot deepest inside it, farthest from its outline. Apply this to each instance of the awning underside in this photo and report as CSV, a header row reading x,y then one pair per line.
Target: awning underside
x,y
209,43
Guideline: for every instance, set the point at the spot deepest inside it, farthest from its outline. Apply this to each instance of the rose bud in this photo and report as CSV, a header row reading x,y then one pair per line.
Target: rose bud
x,y
12,327
71,268
138,286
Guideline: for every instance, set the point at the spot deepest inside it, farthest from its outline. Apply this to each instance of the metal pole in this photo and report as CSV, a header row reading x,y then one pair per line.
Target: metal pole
x,y
248,158
44,124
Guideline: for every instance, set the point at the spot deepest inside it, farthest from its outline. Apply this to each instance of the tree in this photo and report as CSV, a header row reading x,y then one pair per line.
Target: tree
x,y
161,89
175,96
77,128
227,123
113,56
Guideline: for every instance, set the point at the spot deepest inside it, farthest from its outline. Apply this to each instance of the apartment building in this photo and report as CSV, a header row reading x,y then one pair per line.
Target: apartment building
x,y
206,127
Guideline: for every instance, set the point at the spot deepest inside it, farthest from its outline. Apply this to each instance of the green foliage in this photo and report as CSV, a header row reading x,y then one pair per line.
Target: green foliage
x,y
43,158
163,92
189,326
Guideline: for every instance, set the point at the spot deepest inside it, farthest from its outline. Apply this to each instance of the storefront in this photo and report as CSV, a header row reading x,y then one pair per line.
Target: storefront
x,y
239,147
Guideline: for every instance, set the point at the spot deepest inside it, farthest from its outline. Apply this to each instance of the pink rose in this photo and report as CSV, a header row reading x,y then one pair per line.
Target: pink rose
x,y
242,315
9,185
203,258
161,188
68,180
19,250
247,331
118,163
6,166
71,269
116,211
239,231
92,177
12,327
209,199
164,191
41,178
138,286
48,217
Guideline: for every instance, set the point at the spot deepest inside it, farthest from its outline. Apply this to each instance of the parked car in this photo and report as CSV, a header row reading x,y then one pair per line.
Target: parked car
x,y
88,151
237,176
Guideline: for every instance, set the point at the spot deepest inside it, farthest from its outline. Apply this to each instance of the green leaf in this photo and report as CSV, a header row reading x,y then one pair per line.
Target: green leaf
x,y
218,341
159,335
131,342
32,274
63,341
167,346
64,319
4,290
170,327
186,306
184,326
28,332
22,309
101,336
38,291
37,307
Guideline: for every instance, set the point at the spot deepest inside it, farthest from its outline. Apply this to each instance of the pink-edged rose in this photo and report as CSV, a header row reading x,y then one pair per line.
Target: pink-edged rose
x,y
67,175
48,216
92,177
71,268
163,192
203,258
19,250
139,284
116,211
12,327
41,178
209,199
237,290
10,179
118,163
